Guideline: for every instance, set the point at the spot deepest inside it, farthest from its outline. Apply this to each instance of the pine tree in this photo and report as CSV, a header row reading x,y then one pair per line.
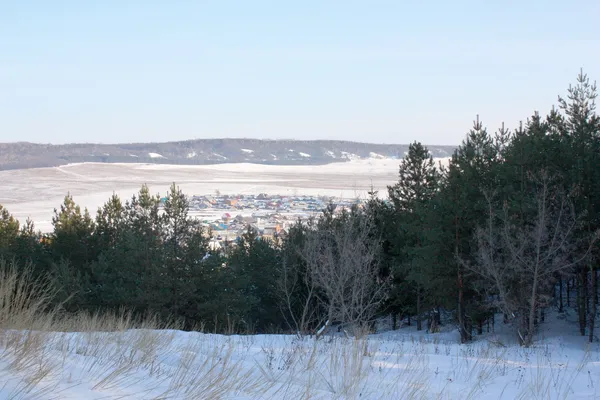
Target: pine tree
x,y
411,196
145,225
73,236
184,247
471,172
127,272
418,179
254,263
9,232
109,222
579,134
384,224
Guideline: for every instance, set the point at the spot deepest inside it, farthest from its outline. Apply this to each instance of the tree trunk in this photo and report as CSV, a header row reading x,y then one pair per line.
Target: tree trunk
x,y
480,326
435,328
568,293
468,328
464,334
532,311
560,295
408,319
464,337
394,321
595,294
429,322
419,324
592,317
582,300
523,327
325,328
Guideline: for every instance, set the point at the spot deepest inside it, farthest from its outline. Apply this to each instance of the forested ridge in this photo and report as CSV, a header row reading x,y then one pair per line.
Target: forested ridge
x,y
509,227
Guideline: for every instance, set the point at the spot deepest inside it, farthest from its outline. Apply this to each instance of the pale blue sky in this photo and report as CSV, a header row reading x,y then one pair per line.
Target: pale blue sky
x,y
379,71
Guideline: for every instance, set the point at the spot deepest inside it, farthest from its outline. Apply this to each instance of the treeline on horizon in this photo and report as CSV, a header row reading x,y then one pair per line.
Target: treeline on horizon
x,y
509,227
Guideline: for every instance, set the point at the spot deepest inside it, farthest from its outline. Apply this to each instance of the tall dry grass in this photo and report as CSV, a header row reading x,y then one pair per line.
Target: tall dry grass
x,y
24,300
47,354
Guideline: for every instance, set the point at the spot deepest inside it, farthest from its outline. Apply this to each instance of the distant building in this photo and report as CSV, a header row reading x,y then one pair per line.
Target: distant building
x,y
211,200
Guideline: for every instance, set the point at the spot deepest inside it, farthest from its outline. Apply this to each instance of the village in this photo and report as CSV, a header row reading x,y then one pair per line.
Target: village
x,y
227,217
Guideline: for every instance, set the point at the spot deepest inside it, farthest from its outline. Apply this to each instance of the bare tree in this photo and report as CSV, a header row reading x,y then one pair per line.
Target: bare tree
x,y
342,257
298,295
520,257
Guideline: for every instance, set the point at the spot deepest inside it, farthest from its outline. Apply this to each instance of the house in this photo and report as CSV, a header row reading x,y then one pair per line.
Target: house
x,y
211,200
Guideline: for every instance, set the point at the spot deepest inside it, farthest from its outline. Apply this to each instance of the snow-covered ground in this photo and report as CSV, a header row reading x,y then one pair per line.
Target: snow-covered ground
x,y
403,364
34,193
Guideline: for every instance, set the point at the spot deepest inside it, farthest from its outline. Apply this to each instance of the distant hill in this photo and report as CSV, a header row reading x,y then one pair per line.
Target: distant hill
x,y
22,155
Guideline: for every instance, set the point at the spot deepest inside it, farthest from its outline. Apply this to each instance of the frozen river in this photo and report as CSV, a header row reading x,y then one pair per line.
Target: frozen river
x,y
34,193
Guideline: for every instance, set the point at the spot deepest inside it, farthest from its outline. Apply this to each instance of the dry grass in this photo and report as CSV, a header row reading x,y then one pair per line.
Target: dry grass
x,y
48,355
23,300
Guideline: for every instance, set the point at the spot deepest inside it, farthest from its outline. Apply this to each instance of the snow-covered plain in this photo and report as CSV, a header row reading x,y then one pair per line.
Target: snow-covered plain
x,y
34,193
402,364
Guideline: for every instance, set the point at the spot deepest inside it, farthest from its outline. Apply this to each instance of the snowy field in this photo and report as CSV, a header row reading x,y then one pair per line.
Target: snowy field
x,y
36,192
403,364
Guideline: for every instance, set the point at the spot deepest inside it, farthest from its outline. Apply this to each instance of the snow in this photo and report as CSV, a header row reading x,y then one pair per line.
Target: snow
x,y
350,156
133,155
391,365
301,154
247,151
155,155
192,154
376,155
330,153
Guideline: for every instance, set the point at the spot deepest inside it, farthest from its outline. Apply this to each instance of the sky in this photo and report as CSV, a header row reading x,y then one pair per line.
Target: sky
x,y
117,71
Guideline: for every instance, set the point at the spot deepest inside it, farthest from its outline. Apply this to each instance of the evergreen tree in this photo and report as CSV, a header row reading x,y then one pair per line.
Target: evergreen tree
x,y
579,134
9,232
411,196
73,249
254,263
73,236
382,213
110,220
184,247
144,227
470,174
29,249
